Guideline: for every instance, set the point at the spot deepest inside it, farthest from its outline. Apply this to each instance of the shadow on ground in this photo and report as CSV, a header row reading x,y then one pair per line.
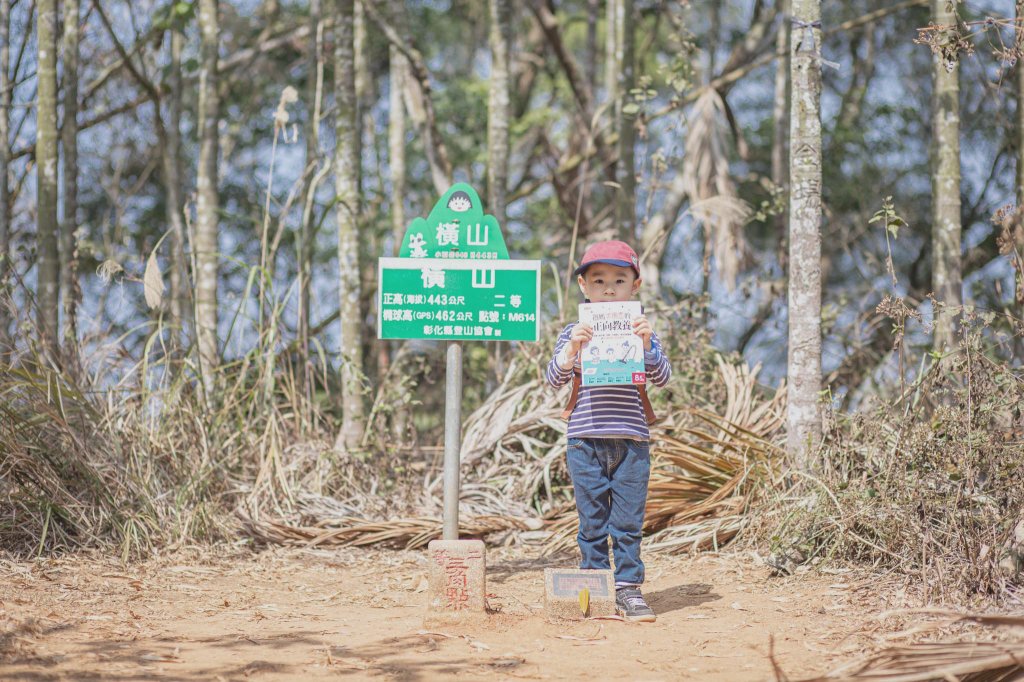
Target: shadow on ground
x,y
159,658
680,597
403,658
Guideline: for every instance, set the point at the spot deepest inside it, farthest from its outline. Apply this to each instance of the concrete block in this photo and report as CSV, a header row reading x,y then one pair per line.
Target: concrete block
x,y
457,587
562,588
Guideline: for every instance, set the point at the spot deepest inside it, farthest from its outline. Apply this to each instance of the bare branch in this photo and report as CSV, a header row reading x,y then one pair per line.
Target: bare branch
x,y
398,36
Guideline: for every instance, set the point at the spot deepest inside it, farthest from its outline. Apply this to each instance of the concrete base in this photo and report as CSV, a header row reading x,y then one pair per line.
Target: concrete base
x,y
457,587
562,588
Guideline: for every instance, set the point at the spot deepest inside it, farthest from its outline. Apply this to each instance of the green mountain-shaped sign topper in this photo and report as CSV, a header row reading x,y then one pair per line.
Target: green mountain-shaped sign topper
x,y
455,229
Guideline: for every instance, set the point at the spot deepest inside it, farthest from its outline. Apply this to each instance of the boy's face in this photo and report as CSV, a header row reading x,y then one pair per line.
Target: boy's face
x,y
602,283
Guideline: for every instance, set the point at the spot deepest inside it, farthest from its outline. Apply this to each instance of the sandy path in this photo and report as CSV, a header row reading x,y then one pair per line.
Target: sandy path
x,y
297,615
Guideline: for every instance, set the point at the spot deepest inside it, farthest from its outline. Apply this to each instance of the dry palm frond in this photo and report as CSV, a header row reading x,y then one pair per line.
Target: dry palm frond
x,y
513,455
720,207
706,176
509,412
965,661
706,534
410,533
513,445
743,406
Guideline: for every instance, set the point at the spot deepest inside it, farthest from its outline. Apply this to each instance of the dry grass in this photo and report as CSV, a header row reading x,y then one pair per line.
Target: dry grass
x,y
66,476
146,461
928,485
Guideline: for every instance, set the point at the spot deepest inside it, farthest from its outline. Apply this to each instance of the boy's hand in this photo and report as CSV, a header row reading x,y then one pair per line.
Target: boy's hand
x,y
642,328
580,334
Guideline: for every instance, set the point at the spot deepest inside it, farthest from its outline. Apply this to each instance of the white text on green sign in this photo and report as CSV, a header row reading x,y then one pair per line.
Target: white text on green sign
x,y
436,298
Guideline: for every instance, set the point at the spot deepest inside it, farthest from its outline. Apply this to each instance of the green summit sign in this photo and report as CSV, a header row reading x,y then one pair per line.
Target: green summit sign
x,y
453,279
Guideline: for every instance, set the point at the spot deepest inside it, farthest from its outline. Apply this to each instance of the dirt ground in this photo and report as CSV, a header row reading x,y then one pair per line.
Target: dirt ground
x,y
290,614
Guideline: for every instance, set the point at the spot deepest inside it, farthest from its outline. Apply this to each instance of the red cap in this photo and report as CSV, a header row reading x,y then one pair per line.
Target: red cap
x,y
611,252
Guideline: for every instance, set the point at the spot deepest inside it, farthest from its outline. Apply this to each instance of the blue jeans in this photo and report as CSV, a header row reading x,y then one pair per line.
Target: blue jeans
x,y
609,478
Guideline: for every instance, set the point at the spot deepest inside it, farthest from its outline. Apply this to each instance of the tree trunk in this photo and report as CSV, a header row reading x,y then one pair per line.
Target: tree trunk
x,y
207,204
1019,5
611,90
946,278
362,79
1020,105
590,58
418,98
48,297
611,62
398,68
69,138
656,235
314,97
804,360
780,108
345,178
498,111
625,169
5,155
714,30
373,243
171,159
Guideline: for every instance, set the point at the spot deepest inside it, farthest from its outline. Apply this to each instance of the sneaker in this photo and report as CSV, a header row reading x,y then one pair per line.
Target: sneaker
x,y
630,604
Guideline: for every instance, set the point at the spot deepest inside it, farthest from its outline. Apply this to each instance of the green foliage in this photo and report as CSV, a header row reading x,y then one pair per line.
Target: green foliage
x,y
774,205
640,98
462,116
176,15
888,217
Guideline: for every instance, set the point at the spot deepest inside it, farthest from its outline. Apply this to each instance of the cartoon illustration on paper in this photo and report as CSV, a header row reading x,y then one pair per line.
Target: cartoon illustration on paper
x,y
615,354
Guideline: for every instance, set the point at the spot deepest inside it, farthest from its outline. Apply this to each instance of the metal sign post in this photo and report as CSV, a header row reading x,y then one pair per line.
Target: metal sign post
x,y
453,281
452,439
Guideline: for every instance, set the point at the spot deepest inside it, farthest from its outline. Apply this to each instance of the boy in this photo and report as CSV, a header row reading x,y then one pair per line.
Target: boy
x,y
608,452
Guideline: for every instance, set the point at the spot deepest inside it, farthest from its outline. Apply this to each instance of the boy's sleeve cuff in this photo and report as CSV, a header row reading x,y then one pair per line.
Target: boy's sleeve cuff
x,y
652,355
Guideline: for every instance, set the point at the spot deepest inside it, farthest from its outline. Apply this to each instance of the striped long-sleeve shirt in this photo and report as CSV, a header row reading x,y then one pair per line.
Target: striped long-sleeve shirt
x,y
608,411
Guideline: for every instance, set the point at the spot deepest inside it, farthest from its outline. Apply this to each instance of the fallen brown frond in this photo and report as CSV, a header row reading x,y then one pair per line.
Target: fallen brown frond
x,y
409,533
704,466
965,661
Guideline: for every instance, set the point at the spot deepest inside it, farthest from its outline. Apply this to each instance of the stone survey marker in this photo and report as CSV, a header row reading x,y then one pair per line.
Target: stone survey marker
x,y
457,586
562,588
454,280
